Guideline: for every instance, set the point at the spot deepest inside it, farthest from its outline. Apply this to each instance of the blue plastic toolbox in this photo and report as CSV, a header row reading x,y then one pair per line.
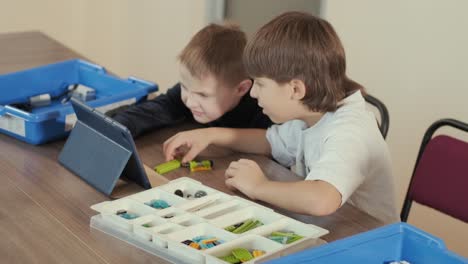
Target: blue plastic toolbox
x,y
396,242
45,123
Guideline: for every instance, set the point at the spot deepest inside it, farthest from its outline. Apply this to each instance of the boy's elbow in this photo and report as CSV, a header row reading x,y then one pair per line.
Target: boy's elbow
x,y
327,204
326,208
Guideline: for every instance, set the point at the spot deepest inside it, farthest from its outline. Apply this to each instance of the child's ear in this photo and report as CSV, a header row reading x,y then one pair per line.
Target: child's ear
x,y
298,89
244,87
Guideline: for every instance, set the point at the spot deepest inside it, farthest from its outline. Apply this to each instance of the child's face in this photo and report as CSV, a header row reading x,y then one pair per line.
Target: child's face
x,y
277,100
206,98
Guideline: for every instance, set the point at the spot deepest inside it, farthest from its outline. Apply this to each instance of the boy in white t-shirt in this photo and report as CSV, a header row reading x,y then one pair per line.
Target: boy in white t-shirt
x,y
298,64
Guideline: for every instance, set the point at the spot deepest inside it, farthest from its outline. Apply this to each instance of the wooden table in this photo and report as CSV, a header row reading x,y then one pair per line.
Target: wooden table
x,y
44,209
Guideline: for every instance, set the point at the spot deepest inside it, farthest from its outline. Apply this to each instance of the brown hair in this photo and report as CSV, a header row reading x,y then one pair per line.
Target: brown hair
x,y
297,45
216,49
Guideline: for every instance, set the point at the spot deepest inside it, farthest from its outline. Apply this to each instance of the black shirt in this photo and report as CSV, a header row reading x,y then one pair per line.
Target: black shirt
x,y
168,109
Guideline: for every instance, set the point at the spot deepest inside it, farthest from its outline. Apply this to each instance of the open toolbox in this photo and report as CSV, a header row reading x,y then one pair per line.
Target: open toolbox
x,y
185,221
395,243
34,103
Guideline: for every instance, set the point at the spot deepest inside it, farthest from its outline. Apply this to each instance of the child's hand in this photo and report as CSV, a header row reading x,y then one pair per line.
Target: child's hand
x,y
195,141
245,175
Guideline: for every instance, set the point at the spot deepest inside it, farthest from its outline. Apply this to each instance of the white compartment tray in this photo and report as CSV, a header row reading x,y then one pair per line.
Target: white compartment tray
x,y
162,231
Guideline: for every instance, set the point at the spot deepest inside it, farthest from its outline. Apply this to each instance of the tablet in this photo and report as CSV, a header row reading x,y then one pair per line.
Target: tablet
x,y
101,150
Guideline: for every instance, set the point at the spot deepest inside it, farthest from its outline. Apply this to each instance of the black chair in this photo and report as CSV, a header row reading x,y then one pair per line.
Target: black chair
x,y
384,116
440,175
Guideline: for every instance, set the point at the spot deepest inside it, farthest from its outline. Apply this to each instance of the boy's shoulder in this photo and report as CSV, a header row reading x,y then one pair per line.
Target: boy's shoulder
x,y
352,121
174,90
246,114
351,113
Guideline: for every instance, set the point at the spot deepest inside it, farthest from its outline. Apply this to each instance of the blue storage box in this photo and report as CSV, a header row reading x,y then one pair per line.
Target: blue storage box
x,y
394,242
46,123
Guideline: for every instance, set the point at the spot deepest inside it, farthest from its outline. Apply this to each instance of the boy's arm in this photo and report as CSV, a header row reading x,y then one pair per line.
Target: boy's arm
x,y
164,110
309,197
312,197
242,140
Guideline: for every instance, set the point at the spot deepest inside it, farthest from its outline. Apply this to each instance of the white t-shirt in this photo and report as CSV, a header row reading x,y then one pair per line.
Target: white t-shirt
x,y
344,148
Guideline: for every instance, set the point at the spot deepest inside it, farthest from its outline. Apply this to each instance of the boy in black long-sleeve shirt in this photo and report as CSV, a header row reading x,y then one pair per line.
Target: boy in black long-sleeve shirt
x,y
213,89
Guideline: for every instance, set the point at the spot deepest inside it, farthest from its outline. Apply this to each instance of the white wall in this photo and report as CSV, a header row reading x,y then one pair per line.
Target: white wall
x,y
414,56
251,15
140,38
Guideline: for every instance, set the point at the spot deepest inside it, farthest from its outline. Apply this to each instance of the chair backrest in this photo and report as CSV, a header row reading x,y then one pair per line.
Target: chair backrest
x,y
384,116
440,176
